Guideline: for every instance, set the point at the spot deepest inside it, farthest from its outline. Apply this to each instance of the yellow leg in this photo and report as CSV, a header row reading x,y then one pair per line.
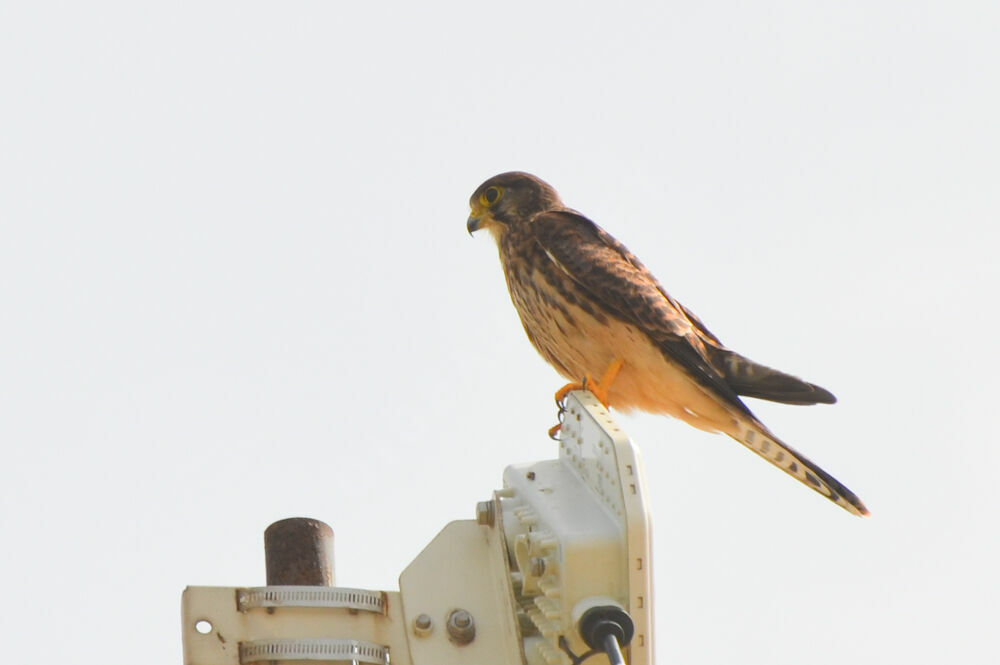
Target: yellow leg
x,y
601,389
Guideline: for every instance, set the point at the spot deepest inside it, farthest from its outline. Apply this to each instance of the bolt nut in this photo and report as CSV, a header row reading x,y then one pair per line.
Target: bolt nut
x,y
423,625
485,513
461,627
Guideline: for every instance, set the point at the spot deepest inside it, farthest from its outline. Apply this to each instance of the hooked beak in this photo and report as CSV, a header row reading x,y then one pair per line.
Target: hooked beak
x,y
474,224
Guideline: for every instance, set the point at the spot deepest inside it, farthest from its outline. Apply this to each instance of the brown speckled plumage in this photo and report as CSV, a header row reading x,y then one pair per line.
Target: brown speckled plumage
x,y
586,301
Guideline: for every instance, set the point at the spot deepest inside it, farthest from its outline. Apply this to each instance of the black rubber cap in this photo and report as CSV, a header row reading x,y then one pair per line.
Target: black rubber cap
x,y
599,622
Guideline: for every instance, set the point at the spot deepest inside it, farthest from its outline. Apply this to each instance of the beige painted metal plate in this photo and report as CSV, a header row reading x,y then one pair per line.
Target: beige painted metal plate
x,y
464,567
215,629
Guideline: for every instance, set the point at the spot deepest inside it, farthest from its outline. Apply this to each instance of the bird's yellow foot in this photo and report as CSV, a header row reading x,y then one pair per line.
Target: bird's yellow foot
x,y
570,387
599,389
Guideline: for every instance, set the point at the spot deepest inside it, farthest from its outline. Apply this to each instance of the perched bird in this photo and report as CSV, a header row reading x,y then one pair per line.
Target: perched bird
x,y
591,309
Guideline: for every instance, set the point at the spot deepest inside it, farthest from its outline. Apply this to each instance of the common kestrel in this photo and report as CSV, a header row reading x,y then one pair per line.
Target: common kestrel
x,y
591,309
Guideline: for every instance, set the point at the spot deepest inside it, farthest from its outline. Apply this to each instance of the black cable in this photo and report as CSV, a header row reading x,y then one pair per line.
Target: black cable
x,y
613,649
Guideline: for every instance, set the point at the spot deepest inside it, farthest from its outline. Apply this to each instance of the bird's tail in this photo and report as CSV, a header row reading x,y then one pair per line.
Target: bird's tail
x,y
757,438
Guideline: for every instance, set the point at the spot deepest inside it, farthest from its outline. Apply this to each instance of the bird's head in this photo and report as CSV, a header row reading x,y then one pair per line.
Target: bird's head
x,y
508,199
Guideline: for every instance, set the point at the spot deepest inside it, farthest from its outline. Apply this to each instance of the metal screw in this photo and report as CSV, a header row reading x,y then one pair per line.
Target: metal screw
x,y
423,625
461,627
485,513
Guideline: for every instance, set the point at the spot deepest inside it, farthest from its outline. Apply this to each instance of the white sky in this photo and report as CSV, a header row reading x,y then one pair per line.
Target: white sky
x,y
236,286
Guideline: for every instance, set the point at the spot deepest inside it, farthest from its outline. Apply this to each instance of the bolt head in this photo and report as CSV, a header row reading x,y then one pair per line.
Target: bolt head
x,y
461,627
485,513
423,625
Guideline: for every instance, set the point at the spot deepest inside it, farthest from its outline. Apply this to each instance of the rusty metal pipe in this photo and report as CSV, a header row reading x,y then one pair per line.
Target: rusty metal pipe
x,y
299,551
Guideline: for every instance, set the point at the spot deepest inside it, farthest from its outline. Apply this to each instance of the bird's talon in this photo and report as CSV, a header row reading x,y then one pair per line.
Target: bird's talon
x,y
554,431
566,390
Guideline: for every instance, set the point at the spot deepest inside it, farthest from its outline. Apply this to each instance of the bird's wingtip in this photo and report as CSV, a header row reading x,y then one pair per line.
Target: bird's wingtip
x,y
823,396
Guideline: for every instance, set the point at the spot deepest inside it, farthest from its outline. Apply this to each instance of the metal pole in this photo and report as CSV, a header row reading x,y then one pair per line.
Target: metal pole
x,y
299,552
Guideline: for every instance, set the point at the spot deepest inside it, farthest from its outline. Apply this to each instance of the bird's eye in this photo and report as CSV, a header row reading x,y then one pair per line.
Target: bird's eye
x,y
490,196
